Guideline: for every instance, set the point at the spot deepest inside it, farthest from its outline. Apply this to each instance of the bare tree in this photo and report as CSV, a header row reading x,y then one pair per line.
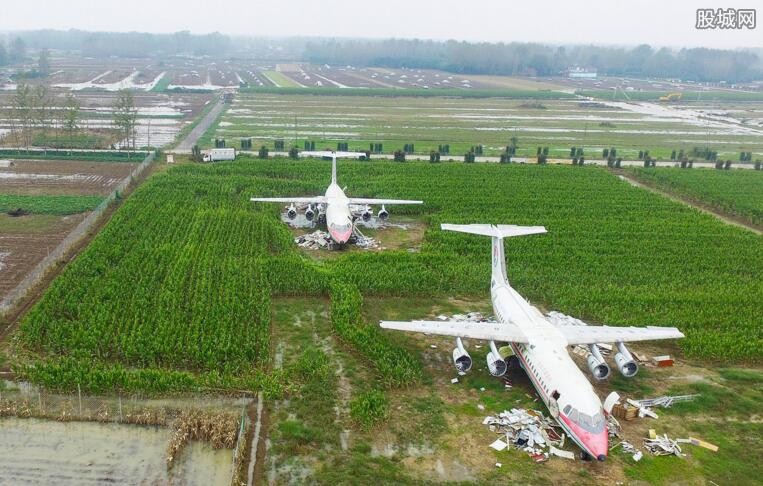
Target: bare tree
x,y
22,106
43,63
42,105
125,116
70,115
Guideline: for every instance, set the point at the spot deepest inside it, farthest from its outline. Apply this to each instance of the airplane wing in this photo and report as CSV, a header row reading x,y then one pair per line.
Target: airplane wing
x,y
361,200
612,334
476,330
296,200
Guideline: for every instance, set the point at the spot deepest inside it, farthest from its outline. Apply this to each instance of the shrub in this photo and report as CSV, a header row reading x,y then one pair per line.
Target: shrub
x,y
369,408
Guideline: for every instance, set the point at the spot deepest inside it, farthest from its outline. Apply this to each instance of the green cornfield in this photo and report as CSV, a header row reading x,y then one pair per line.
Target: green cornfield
x,y
738,192
182,276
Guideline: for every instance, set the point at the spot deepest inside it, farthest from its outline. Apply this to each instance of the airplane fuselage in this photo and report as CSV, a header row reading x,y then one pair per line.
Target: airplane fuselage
x,y
338,215
561,385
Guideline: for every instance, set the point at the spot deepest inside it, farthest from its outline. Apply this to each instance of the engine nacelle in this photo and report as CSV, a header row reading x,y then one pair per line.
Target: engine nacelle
x,y
291,213
596,364
383,214
367,214
625,362
461,357
310,213
496,365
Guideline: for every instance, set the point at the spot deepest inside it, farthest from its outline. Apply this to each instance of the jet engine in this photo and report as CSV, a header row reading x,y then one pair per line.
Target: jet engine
x,y
310,213
367,214
383,214
291,212
599,368
625,362
495,363
461,358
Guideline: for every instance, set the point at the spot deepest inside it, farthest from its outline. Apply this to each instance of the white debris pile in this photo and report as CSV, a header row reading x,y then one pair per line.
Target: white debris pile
x,y
643,411
613,426
629,448
320,240
526,430
314,241
665,401
468,317
662,446
368,243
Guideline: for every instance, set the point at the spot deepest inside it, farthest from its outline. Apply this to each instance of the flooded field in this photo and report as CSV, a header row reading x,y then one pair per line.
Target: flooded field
x,y
462,123
160,116
36,451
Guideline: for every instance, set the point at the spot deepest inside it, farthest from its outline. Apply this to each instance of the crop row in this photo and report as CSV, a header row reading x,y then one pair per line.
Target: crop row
x,y
47,204
183,274
738,192
396,366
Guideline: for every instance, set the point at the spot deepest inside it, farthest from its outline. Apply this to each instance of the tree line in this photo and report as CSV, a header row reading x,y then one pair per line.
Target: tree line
x,y
697,64
14,52
128,44
35,112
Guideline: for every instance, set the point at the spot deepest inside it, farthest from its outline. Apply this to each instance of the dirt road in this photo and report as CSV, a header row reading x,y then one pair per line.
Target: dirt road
x,y
190,140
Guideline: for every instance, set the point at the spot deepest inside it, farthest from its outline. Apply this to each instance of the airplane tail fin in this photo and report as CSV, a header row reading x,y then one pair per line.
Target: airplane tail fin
x,y
498,232
333,168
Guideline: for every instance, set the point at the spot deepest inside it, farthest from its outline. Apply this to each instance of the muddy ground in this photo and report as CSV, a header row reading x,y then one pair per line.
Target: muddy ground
x,y
75,453
62,177
434,430
26,240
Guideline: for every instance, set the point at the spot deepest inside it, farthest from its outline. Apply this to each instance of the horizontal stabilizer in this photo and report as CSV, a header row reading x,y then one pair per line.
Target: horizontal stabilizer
x,y
494,230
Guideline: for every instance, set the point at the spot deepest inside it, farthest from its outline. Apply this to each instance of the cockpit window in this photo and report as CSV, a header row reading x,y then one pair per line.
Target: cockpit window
x,y
592,423
341,227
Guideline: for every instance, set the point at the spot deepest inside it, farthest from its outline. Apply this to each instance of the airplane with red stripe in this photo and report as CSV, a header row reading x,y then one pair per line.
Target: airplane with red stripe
x,y
539,347
340,211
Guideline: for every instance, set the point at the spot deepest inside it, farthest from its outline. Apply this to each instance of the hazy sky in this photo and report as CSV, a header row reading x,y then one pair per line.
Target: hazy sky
x,y
656,22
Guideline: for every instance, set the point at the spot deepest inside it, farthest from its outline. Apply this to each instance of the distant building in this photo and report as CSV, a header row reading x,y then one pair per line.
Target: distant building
x,y
578,72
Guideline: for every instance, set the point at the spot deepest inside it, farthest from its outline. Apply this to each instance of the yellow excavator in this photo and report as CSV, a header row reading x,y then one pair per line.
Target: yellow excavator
x,y
670,97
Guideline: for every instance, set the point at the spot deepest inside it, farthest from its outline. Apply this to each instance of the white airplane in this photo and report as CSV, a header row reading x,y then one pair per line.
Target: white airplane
x,y
337,208
540,347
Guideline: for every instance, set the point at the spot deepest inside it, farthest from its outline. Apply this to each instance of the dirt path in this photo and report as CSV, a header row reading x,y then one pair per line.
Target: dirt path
x,y
726,218
190,140
256,449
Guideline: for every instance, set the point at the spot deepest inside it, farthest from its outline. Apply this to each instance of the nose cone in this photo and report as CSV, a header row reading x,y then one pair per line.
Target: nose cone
x,y
340,236
598,445
594,443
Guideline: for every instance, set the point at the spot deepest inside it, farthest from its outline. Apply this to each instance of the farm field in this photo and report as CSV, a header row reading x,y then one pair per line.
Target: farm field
x,y
229,302
160,118
193,225
428,122
204,74
41,201
433,431
735,193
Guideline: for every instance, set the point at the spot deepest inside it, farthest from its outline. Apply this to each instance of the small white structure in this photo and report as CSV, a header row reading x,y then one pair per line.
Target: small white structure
x,y
216,154
170,158
578,72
